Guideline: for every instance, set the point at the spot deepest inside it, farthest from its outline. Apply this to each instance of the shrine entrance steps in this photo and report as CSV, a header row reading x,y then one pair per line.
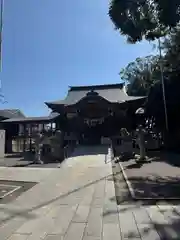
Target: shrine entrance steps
x,y
95,154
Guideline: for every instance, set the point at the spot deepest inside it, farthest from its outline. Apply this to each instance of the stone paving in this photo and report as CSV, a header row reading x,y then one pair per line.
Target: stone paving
x,y
77,201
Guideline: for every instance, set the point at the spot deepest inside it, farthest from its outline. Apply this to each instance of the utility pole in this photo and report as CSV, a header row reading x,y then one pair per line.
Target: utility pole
x,y
1,31
163,86
1,28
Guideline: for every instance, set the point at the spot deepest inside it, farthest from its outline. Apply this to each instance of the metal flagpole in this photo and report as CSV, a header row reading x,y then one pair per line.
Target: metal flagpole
x,y
163,86
1,30
1,27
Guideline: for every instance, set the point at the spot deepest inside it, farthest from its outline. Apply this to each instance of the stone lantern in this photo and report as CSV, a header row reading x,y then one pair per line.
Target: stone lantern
x,y
141,134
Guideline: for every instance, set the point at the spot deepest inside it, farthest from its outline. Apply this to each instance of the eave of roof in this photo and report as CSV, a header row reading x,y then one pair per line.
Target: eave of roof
x,y
11,113
97,87
32,119
76,93
111,96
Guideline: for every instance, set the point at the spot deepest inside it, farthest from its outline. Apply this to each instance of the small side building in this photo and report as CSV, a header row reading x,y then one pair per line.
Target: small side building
x,y
23,130
10,129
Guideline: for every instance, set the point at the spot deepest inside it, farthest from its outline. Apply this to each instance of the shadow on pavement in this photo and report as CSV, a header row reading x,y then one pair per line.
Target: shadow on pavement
x,y
89,150
168,229
27,214
155,187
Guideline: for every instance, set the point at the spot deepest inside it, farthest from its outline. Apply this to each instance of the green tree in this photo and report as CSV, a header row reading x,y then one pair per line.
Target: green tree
x,y
154,104
141,75
149,19
171,48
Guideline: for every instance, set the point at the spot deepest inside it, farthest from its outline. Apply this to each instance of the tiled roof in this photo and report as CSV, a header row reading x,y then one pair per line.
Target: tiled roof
x,y
11,113
114,93
53,115
32,119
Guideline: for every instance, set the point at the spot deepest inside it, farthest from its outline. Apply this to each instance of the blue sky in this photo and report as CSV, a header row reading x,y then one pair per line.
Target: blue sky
x,y
49,45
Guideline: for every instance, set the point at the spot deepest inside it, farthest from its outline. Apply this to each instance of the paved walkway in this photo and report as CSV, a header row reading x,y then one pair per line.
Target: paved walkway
x,y
77,201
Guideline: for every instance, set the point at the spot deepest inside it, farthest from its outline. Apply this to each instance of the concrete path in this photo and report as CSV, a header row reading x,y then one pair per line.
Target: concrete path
x,y
67,203
77,201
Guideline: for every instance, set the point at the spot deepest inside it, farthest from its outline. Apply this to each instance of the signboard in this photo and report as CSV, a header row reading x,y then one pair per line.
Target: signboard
x,y
93,122
71,115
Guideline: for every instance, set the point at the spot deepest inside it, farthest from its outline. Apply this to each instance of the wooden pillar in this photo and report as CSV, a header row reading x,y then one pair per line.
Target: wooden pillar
x,y
24,137
21,135
30,138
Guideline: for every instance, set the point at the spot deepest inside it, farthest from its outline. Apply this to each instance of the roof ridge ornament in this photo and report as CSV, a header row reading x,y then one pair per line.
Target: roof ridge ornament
x,y
92,93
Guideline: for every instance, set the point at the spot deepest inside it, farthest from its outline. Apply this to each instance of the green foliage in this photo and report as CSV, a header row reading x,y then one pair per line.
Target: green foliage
x,y
171,62
172,53
149,19
141,75
144,78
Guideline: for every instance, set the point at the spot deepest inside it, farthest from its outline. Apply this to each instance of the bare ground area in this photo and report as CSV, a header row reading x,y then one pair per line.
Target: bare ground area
x,y
158,179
